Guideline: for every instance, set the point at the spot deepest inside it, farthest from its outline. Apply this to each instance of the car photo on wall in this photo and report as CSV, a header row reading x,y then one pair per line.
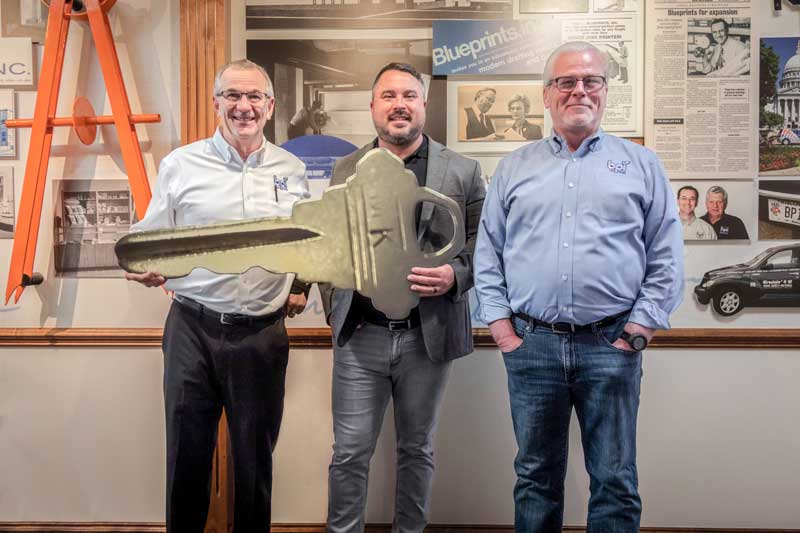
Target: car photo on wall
x,y
770,279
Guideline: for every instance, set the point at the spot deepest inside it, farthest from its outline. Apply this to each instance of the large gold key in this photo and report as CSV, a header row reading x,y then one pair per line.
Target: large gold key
x,y
360,235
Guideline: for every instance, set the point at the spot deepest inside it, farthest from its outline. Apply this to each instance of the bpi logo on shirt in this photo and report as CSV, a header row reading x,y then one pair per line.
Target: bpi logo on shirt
x,y
619,168
281,183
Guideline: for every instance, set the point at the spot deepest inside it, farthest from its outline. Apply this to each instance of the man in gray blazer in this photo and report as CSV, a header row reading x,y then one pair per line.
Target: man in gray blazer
x,y
375,358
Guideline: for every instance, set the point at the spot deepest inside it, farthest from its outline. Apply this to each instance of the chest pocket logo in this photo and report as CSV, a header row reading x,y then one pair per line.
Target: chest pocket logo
x,y
619,168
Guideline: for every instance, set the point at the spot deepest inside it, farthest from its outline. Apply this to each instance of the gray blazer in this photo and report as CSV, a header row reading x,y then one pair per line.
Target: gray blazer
x,y
446,325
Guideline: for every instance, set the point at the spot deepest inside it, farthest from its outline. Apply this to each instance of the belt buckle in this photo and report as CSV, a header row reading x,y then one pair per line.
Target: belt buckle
x,y
398,325
226,319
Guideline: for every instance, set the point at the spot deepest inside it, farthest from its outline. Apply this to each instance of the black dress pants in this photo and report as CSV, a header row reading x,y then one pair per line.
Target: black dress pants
x,y
207,366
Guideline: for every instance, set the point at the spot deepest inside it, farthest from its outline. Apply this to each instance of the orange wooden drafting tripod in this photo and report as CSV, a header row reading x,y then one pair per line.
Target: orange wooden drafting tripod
x,y
84,122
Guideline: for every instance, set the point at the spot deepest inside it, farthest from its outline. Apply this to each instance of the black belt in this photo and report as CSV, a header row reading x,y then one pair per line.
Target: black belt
x,y
395,325
566,327
228,319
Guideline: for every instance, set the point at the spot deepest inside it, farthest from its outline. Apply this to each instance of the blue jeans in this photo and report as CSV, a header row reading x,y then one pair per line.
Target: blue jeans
x,y
375,365
548,375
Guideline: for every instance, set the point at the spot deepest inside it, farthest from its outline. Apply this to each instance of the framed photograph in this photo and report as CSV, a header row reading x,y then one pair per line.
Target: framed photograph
x,y
779,209
548,6
90,216
368,14
23,18
324,86
779,98
494,116
718,47
714,212
7,202
8,136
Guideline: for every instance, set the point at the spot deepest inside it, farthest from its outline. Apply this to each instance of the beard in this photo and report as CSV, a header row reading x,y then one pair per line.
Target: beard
x,y
399,139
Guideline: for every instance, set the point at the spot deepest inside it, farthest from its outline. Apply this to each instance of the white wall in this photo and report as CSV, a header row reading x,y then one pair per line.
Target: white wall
x,y
81,439
81,430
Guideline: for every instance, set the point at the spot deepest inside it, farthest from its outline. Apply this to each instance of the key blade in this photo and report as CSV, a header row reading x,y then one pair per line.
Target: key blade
x,y
223,248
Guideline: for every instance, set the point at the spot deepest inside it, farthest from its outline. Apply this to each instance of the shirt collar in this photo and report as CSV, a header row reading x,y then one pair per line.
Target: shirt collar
x,y
592,143
228,152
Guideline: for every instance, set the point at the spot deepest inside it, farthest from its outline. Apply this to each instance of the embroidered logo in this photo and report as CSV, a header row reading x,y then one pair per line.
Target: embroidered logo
x,y
281,183
619,168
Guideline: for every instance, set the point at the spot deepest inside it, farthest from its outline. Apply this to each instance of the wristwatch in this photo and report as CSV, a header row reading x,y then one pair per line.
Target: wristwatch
x,y
637,341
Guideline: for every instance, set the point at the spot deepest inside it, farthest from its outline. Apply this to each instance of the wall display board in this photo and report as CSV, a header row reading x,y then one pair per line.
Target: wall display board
x,y
16,64
90,217
8,137
23,18
714,212
6,202
497,116
361,14
779,111
700,114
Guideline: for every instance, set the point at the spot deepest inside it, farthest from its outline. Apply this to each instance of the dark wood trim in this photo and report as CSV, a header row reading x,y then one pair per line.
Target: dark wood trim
x,y
320,338
147,527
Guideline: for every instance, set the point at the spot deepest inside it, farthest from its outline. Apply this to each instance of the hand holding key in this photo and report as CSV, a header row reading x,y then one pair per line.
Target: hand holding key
x,y
360,235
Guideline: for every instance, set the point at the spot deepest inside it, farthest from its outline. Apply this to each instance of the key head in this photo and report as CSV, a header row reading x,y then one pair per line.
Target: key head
x,y
382,199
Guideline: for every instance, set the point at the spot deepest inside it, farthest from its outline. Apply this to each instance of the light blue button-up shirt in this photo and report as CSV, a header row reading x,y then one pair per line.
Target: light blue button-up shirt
x,y
579,236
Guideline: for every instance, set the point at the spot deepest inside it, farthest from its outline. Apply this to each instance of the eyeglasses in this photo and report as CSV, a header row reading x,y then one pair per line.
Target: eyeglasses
x,y
566,84
254,97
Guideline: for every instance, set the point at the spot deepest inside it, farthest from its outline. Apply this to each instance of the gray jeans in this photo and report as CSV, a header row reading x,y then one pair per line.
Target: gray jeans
x,y
375,365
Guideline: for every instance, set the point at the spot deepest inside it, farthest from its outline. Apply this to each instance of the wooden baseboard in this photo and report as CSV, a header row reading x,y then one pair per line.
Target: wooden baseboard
x,y
320,338
149,527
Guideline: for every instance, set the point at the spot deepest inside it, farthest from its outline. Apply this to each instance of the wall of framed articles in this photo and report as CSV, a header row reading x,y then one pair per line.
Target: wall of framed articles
x,y
701,119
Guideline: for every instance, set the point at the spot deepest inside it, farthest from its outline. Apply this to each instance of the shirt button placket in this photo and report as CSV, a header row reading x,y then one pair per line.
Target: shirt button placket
x,y
566,238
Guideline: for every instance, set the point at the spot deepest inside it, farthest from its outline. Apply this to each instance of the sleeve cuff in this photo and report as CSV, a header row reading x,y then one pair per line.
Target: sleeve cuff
x,y
650,316
490,313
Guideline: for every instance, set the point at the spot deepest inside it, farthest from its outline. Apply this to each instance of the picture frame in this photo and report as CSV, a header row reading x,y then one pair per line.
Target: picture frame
x,y
462,100
7,202
8,136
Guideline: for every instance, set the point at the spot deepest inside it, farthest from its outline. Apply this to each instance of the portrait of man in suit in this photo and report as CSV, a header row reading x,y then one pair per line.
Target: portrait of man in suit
x,y
479,124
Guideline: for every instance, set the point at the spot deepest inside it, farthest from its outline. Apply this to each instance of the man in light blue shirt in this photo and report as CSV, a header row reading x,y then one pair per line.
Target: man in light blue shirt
x,y
579,260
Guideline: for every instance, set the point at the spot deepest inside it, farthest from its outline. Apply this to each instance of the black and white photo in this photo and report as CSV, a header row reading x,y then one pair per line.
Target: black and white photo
x,y
498,112
324,86
91,215
718,47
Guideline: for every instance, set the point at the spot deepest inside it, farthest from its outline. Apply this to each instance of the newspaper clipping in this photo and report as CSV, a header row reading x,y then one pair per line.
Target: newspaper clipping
x,y
519,47
699,116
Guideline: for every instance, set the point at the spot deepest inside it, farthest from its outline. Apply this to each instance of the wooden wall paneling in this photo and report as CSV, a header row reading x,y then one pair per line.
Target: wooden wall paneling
x,y
204,48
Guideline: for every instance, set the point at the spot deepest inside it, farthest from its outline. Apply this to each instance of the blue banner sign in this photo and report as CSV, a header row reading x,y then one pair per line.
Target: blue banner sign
x,y
489,47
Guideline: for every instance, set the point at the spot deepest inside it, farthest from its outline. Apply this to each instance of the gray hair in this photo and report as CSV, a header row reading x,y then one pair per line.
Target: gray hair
x,y
573,46
716,189
520,98
241,64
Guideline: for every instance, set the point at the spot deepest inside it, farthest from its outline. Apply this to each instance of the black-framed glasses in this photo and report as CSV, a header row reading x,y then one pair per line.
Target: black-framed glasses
x,y
254,97
567,84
